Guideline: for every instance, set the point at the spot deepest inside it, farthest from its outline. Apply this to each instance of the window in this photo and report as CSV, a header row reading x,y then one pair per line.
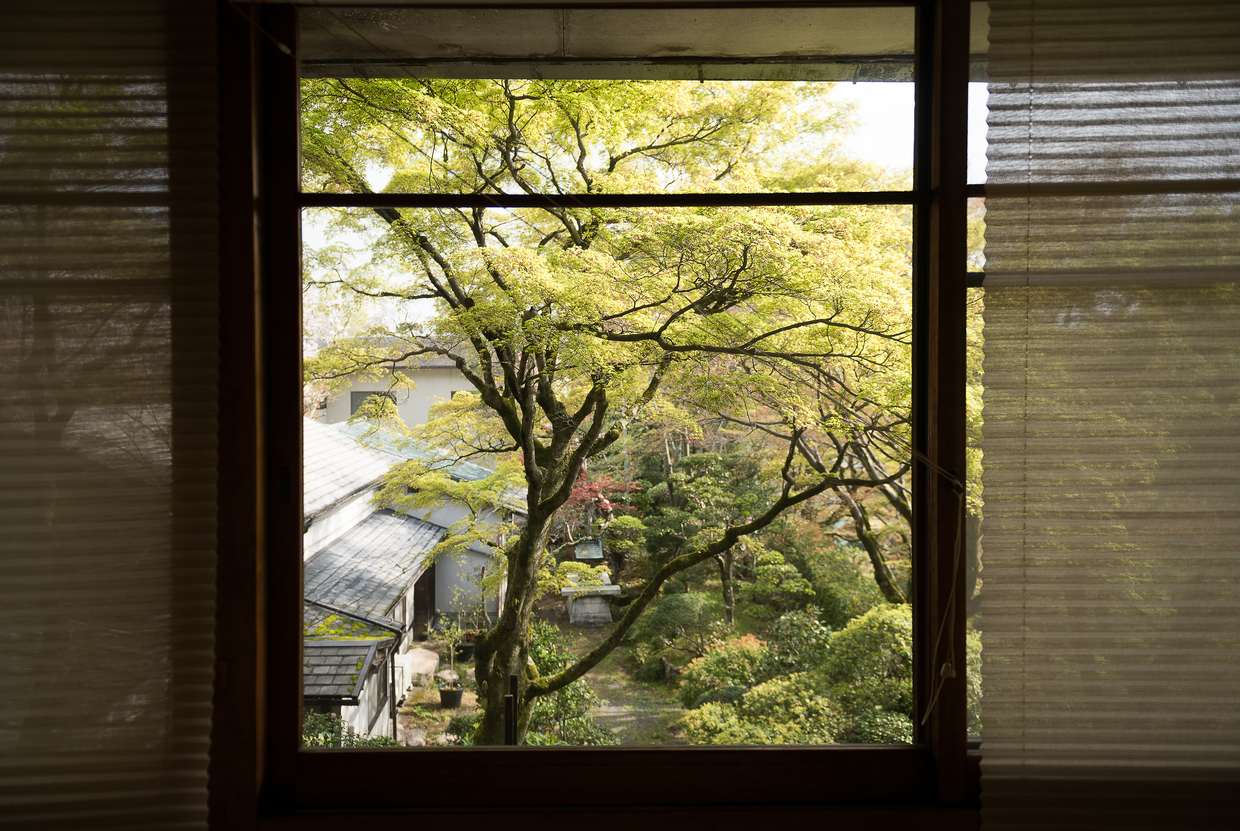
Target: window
x,y
357,399
900,774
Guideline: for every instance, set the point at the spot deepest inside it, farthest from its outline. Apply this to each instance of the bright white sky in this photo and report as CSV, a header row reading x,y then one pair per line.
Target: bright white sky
x,y
885,134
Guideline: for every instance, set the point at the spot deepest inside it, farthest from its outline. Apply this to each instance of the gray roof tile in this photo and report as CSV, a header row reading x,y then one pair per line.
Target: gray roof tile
x,y
386,441
406,449
334,466
366,569
333,669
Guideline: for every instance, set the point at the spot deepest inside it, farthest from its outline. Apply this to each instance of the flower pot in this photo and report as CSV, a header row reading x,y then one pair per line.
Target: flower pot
x,y
450,697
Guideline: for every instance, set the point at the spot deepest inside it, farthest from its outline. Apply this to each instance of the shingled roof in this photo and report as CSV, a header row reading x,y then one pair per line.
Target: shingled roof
x,y
335,466
336,670
366,569
406,449
386,441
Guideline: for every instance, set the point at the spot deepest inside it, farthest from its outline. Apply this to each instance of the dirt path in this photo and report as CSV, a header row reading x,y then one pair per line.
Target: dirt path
x,y
640,713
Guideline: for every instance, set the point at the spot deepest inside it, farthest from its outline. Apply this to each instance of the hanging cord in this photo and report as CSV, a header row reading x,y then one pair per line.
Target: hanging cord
x,y
947,624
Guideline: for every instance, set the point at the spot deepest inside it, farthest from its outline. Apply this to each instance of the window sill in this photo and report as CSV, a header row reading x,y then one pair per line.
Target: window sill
x,y
636,778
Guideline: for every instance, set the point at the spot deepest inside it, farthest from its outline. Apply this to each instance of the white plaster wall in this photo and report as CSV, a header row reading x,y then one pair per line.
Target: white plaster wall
x,y
413,404
448,513
359,716
456,571
344,516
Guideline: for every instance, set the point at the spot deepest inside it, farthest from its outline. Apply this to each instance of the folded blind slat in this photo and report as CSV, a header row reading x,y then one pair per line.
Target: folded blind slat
x,y
1111,538
108,390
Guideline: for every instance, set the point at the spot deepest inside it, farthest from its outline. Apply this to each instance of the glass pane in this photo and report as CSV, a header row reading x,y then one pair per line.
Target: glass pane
x,y
883,131
978,112
517,136
975,342
712,399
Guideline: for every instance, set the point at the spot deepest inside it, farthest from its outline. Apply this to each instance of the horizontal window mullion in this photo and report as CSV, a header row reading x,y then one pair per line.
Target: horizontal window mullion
x,y
606,200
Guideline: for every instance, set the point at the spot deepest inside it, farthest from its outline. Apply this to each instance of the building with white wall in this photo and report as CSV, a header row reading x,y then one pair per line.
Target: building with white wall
x,y
433,378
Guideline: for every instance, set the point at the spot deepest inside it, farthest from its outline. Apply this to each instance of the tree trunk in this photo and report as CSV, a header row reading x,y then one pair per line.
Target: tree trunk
x,y
726,560
883,577
504,651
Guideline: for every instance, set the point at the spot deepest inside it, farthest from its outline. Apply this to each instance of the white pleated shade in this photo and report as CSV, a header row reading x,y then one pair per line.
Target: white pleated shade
x,y
1111,537
108,392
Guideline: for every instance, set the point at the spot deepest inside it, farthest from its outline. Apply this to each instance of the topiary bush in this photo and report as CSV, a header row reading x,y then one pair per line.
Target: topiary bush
x,y
869,664
708,723
881,727
689,622
726,695
790,711
732,663
781,711
796,642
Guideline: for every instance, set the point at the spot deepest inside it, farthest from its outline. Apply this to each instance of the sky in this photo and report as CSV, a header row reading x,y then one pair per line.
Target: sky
x,y
886,132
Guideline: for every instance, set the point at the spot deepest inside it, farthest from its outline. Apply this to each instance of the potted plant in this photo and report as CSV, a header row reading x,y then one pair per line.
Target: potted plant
x,y
450,691
465,649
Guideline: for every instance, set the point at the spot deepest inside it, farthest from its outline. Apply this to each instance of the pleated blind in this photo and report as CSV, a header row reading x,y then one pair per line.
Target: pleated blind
x,y
1111,538
108,379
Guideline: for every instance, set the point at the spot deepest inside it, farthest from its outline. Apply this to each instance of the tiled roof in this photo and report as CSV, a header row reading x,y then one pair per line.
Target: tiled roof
x,y
335,669
319,623
386,441
334,466
366,569
389,442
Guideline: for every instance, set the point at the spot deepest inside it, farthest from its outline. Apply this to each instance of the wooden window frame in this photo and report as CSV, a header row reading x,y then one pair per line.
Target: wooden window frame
x,y
257,767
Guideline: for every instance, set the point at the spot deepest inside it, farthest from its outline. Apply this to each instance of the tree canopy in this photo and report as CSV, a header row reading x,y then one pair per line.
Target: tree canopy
x,y
576,326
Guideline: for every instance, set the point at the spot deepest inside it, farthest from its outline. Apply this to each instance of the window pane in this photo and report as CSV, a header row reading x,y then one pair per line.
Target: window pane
x,y
526,136
761,322
667,379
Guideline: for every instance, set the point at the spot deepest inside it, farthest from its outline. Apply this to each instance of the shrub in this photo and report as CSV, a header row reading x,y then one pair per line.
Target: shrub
x,y
733,663
463,727
563,717
329,730
710,721
790,711
688,622
726,695
869,664
782,711
777,586
649,662
881,727
973,691
797,643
